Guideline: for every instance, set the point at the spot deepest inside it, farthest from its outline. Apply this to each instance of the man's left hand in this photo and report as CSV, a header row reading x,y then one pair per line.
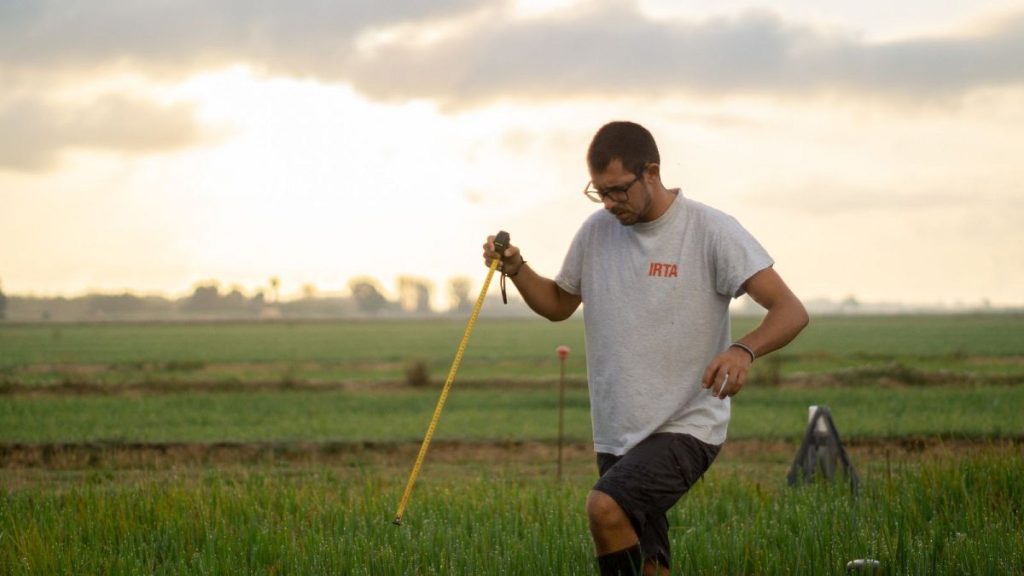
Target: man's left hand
x,y
727,373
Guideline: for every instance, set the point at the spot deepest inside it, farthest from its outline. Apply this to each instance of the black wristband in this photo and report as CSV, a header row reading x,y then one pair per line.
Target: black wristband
x,y
523,263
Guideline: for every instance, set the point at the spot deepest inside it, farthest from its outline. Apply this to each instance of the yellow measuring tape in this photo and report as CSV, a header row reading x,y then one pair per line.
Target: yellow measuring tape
x,y
444,393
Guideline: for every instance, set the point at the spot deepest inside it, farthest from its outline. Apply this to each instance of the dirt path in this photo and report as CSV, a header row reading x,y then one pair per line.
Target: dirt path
x,y
171,455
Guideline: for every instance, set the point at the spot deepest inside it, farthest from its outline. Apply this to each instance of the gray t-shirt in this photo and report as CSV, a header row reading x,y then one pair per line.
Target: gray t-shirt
x,y
656,310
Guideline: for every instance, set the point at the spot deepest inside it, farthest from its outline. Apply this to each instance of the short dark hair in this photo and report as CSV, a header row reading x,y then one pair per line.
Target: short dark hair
x,y
631,143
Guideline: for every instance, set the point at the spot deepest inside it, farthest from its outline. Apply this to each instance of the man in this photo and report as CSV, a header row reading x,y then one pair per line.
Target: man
x,y
657,272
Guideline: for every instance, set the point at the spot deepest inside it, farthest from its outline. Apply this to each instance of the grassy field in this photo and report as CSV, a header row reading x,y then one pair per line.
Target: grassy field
x,y
949,515
484,414
985,348
282,449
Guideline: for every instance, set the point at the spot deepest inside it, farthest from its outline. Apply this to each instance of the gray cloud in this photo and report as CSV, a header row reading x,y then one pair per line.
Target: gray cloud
x,y
48,43
611,52
34,133
603,49
286,36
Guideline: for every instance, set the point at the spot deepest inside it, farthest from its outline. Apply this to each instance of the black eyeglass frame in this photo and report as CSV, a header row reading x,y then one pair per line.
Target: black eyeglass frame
x,y
595,195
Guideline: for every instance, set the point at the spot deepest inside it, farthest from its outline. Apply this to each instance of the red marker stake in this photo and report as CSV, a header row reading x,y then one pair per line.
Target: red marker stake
x,y
563,353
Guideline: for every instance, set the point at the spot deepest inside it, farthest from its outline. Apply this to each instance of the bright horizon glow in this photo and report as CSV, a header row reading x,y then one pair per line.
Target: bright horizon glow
x,y
886,197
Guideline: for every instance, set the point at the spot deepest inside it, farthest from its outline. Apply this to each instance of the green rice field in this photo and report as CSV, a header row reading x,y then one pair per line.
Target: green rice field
x,y
484,414
949,515
283,448
911,348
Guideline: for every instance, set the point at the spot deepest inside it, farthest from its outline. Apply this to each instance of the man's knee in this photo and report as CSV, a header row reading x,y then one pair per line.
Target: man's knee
x,y
603,512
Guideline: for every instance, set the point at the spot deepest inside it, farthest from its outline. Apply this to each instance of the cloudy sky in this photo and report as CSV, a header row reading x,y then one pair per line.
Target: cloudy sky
x,y
872,147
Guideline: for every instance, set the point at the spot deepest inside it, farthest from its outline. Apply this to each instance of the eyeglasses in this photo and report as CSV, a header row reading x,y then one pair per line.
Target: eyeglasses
x,y
614,193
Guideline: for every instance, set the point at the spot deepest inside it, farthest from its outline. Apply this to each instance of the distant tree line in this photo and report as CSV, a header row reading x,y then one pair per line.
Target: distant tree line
x,y
208,300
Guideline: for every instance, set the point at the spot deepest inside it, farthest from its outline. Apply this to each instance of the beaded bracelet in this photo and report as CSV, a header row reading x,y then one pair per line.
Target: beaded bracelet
x,y
748,349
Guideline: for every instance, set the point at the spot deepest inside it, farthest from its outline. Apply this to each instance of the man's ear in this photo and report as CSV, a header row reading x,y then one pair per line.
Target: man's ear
x,y
652,170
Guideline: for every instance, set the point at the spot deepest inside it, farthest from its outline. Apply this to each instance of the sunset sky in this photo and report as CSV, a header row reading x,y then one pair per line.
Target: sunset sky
x,y
874,148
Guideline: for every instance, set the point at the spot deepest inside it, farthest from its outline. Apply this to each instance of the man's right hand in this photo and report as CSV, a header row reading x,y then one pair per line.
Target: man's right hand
x,y
541,294
511,260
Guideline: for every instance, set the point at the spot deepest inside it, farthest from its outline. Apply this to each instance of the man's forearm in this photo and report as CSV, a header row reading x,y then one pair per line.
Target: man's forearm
x,y
543,295
784,320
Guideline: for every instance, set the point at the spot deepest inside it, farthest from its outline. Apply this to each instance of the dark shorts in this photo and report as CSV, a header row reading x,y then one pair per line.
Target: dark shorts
x,y
650,479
